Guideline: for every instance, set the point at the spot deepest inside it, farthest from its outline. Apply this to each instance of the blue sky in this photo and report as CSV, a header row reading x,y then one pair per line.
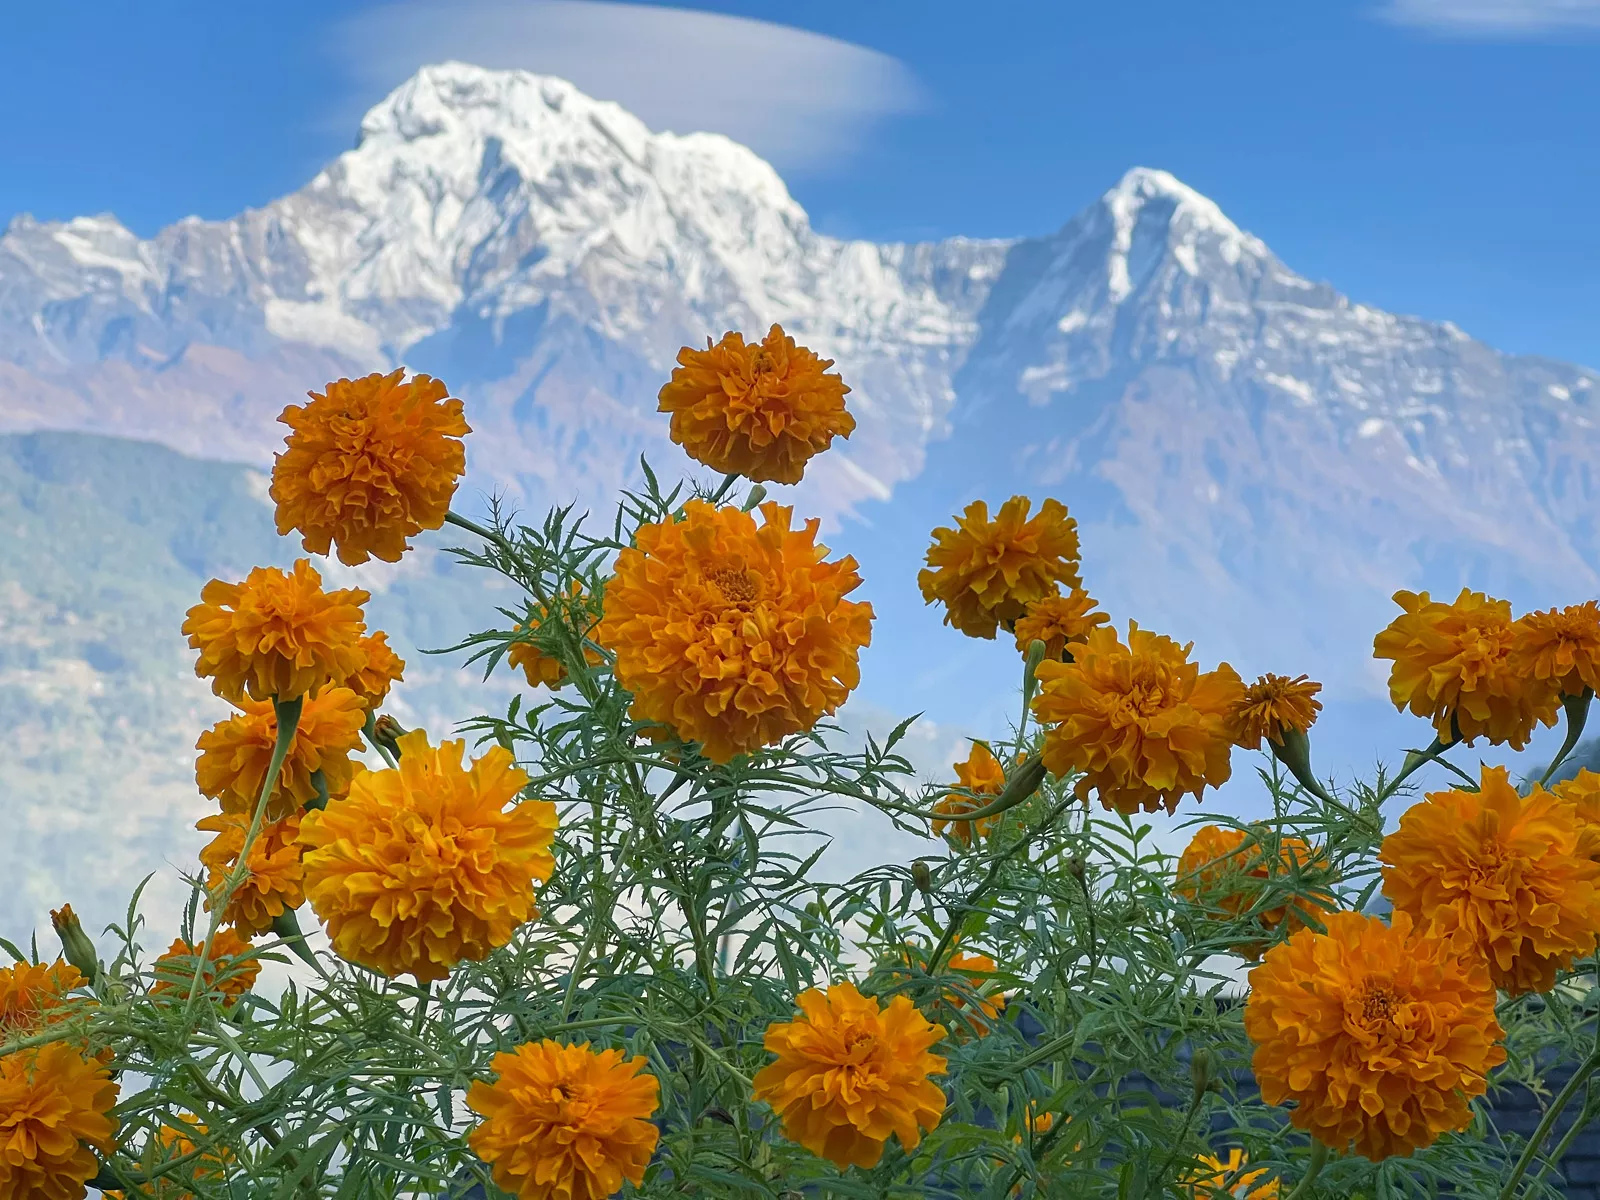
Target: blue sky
x,y
1437,157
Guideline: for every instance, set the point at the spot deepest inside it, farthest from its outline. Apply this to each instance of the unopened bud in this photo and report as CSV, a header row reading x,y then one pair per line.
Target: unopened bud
x,y
922,877
76,947
387,732
1075,867
1200,1071
758,493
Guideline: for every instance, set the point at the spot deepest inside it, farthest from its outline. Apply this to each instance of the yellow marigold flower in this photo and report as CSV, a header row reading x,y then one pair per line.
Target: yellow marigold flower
x,y
174,1141
760,410
422,866
1379,1034
977,969
1058,621
986,573
547,669
33,995
565,1122
277,634
229,973
1510,878
733,635
1141,722
1215,870
236,752
381,668
1270,706
369,464
55,1110
1583,790
276,882
1215,1178
850,1073
981,774
1453,665
1560,647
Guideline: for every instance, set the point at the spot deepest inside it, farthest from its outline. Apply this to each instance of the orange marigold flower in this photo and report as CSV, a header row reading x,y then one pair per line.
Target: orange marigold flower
x,y
277,634
1215,1178
422,866
1058,621
1583,790
1218,871
276,882
976,970
1378,1033
734,635
547,669
229,973
174,1141
33,995
982,775
1270,706
236,752
55,1108
381,668
986,573
1510,878
760,410
1141,722
369,464
1453,666
850,1073
1560,647
565,1122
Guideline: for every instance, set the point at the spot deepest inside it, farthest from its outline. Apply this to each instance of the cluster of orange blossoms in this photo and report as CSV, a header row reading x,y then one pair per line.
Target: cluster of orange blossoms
x,y
55,1099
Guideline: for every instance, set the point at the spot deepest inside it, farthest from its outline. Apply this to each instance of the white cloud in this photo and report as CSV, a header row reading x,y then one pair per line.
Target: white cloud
x,y
1494,18
799,99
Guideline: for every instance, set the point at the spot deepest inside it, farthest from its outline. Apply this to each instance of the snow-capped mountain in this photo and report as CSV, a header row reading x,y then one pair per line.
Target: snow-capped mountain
x,y
1209,411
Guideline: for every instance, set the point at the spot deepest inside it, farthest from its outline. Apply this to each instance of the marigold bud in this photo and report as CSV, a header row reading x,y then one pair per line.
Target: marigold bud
x,y
1200,1072
757,494
1036,653
387,732
922,877
76,947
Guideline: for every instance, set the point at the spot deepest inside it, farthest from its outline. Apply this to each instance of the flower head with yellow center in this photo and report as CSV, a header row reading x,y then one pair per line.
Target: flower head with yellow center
x,y
1216,1178
381,668
1560,648
536,658
761,410
1507,877
276,880
1453,667
33,995
229,972
565,1122
987,572
235,753
1219,871
1143,725
423,866
732,634
981,775
1379,1034
1059,621
1271,706
277,635
369,464
850,1073
55,1108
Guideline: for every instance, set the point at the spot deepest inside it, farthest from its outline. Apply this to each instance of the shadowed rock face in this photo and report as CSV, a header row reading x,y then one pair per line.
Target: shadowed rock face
x,y
1257,460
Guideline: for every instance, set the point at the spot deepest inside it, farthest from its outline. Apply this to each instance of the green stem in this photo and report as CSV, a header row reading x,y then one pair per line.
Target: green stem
x,y
288,717
1577,708
1579,1078
1319,1156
